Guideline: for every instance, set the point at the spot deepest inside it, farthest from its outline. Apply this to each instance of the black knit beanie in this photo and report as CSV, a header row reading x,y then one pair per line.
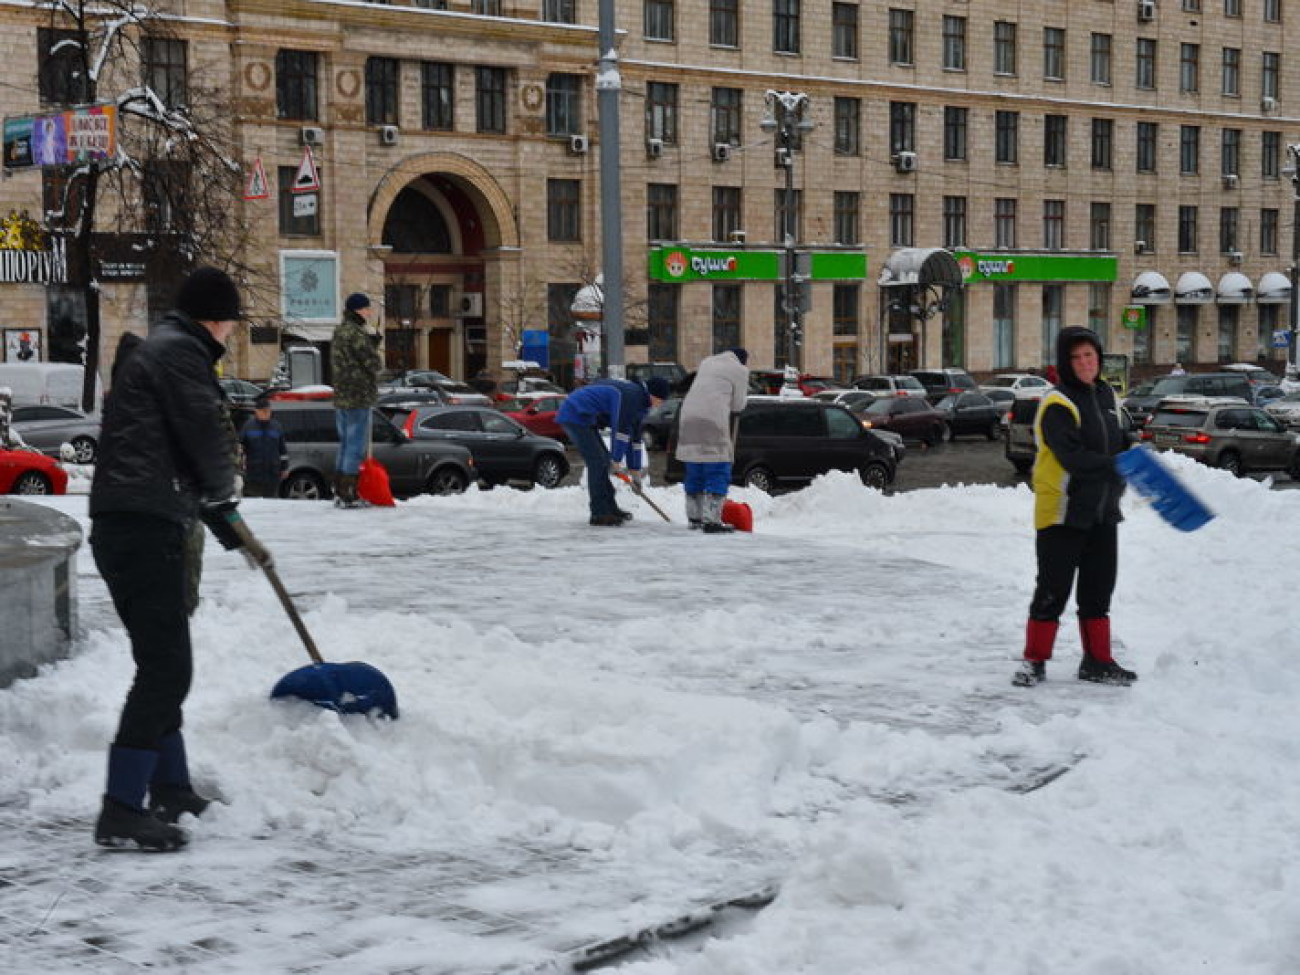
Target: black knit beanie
x,y
209,295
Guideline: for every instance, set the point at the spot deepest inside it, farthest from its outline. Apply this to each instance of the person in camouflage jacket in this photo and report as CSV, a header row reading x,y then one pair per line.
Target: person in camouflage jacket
x,y
354,364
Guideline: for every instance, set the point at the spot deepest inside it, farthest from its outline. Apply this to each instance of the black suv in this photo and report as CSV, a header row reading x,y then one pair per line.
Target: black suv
x,y
939,383
789,442
414,467
1198,384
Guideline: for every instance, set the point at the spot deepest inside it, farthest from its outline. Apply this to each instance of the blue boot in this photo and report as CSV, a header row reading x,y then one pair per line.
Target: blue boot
x,y
123,818
170,792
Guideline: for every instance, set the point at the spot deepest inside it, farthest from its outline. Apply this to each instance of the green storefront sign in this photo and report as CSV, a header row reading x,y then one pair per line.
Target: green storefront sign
x,y
1000,268
679,265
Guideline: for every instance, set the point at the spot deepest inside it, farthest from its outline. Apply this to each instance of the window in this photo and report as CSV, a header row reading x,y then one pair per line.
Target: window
x,y
1101,59
902,219
61,78
726,212
563,104
1053,225
1231,71
1099,226
1103,143
163,60
1188,322
381,90
661,321
1099,311
1004,47
844,30
1145,77
1270,70
1054,53
1270,154
1189,218
490,99
726,316
1004,223
1053,315
1189,150
1232,8
1268,224
954,132
661,112
845,316
661,211
1004,326
1147,133
725,111
563,210
560,11
954,221
1229,225
1231,152
848,126
1144,224
848,218
299,212
785,26
485,8
1006,144
902,126
780,214
1189,67
724,23
1273,11
954,43
1192,6
295,85
1228,315
902,37
659,16
1054,139
437,95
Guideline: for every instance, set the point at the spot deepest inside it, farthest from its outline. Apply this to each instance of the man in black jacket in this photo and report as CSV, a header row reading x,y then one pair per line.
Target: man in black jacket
x,y
164,460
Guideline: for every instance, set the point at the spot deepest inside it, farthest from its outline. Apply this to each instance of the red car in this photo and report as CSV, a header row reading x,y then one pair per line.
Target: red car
x,y
537,413
30,472
911,417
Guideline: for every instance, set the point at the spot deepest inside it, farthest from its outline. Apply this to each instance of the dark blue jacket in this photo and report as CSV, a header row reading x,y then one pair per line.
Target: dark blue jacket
x,y
617,403
266,456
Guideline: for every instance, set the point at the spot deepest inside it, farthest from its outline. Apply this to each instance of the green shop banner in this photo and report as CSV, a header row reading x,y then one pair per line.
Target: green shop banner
x,y
682,264
1035,267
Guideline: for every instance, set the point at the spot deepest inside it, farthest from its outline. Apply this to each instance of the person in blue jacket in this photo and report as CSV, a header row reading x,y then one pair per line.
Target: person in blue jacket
x,y
266,455
620,405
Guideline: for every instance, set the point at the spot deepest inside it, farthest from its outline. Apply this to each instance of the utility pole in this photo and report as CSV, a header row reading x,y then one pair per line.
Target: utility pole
x,y
1293,353
786,116
609,85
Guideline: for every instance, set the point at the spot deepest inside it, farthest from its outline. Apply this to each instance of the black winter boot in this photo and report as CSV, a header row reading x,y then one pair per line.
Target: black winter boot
x,y
1104,672
119,825
1029,673
170,802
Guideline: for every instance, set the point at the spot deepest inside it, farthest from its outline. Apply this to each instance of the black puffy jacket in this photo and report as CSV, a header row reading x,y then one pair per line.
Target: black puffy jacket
x,y
163,445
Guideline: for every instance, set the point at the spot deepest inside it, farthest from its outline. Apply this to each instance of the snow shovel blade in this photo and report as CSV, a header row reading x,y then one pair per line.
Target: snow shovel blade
x,y
350,688
372,484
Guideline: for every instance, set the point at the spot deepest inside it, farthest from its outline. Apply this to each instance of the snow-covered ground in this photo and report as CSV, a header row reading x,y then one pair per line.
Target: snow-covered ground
x,y
605,729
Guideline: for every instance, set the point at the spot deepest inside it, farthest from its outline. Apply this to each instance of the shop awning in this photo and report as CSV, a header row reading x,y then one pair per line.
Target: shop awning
x,y
1151,288
1235,289
925,266
1274,289
312,333
1193,288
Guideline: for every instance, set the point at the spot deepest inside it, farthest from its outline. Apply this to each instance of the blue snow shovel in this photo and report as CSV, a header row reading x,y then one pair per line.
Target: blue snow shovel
x,y
1168,495
350,688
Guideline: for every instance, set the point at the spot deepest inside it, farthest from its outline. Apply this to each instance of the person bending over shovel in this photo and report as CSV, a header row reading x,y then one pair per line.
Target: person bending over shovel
x,y
164,459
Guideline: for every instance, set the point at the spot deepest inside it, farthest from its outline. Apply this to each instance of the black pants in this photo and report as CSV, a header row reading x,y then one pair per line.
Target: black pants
x,y
1092,553
142,560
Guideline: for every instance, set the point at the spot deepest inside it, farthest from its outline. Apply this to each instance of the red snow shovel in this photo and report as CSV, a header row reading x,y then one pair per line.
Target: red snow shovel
x,y
372,481
350,688
636,489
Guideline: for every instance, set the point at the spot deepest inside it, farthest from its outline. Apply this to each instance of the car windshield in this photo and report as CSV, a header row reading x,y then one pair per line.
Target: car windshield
x,y
1178,418
947,403
908,382
1001,381
880,407
512,406
1169,385
1143,389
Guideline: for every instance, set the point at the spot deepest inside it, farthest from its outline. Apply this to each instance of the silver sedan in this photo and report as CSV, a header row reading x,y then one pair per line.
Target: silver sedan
x,y
48,428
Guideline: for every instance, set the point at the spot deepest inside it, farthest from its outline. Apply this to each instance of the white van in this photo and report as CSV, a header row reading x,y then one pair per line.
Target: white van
x,y
44,383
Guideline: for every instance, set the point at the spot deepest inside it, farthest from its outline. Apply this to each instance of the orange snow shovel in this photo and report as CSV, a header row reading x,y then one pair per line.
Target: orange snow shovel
x,y
636,489
372,481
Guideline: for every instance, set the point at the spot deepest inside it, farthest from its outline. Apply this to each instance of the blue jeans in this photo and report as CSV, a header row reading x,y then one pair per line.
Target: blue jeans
x,y
707,478
352,425
595,457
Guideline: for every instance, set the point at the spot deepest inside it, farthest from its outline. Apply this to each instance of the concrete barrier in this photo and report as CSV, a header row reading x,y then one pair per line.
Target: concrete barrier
x,y
38,587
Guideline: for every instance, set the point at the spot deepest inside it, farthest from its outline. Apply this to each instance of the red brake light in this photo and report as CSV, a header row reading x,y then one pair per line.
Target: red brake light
x,y
1197,438
1147,435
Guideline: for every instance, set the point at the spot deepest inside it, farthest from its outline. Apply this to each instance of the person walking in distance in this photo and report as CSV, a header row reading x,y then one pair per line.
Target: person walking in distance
x,y
164,460
705,442
266,455
1076,512
354,367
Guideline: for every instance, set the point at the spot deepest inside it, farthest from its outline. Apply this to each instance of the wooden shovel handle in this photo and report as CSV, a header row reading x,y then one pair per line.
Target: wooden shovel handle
x,y
246,535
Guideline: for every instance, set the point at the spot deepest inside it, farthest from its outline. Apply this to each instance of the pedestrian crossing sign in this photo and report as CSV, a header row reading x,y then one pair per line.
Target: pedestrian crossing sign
x,y
257,187
307,179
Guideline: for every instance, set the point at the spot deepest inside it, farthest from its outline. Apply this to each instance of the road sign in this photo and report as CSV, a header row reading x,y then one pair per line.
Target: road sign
x,y
257,187
307,179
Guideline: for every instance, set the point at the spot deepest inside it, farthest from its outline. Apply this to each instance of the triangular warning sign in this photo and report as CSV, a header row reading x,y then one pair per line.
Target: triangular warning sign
x,y
257,188
306,180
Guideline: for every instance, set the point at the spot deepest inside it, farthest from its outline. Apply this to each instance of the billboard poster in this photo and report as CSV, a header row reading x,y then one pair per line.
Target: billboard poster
x,y
22,345
60,138
309,286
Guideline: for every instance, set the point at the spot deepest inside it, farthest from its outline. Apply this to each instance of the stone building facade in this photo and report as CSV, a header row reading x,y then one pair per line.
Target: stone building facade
x,y
1117,163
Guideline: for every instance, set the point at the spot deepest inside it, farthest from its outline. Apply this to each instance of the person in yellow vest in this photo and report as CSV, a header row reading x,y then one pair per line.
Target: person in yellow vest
x,y
1076,512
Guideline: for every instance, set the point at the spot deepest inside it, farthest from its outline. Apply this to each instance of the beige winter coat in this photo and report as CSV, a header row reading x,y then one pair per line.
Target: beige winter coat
x,y
720,388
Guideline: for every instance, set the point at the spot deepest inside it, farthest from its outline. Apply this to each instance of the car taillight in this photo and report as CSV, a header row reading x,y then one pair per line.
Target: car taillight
x,y
1196,438
1147,435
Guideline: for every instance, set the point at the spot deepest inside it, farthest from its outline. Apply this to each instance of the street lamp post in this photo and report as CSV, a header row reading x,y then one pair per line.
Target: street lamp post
x,y
787,116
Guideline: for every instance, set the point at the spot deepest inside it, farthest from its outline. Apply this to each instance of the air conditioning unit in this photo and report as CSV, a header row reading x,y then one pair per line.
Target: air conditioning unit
x,y
1230,181
1234,257
654,148
311,135
721,151
1141,247
578,144
905,161
1146,11
389,134
737,236
1268,103
783,158
469,304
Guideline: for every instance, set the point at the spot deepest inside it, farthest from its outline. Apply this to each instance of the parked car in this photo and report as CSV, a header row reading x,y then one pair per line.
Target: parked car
x,y
1020,384
537,413
414,467
1140,407
911,417
454,392
48,428
31,472
789,442
399,404
526,385
503,449
1268,394
657,427
770,382
639,372
1224,432
852,400
1018,432
941,383
971,413
1257,376
240,392
1286,410
890,385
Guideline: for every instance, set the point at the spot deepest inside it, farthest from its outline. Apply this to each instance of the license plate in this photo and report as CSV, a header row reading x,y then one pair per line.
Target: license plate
x,y
1167,438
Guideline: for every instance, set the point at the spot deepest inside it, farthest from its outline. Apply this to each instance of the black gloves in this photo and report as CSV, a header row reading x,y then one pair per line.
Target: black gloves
x,y
227,527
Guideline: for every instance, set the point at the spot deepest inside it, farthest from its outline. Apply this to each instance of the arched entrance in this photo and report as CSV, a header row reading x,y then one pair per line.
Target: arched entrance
x,y
442,227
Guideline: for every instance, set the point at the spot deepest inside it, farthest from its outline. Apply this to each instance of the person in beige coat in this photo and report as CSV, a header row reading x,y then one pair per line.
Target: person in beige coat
x,y
705,442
